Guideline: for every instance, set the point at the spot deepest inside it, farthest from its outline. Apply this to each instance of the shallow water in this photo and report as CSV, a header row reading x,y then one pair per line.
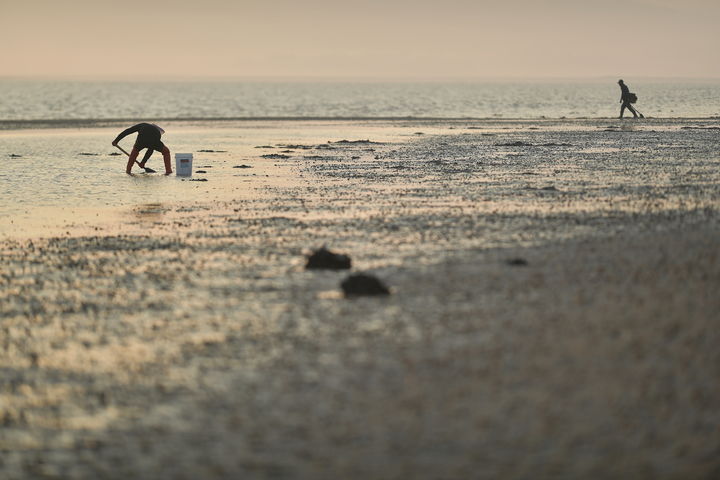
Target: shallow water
x,y
511,165
68,174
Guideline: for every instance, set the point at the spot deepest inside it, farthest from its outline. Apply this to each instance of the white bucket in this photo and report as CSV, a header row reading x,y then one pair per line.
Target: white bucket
x,y
183,164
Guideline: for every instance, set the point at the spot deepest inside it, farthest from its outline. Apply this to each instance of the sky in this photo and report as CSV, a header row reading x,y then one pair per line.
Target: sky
x,y
363,39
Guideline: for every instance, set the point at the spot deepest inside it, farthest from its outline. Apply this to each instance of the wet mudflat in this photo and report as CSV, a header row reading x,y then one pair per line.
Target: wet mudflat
x,y
553,314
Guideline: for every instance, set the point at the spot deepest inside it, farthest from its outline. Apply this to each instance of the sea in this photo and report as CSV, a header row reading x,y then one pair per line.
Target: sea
x,y
58,100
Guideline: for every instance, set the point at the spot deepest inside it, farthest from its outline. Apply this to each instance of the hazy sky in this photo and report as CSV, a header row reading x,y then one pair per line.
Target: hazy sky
x,y
363,38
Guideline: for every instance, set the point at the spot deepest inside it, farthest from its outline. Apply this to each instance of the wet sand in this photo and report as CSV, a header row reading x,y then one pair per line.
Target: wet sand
x,y
554,314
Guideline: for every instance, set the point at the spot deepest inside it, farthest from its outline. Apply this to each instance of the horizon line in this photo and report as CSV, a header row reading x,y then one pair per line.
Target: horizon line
x,y
351,78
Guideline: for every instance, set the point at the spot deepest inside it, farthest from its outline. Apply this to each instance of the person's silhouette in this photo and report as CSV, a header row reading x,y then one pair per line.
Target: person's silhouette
x,y
148,137
626,98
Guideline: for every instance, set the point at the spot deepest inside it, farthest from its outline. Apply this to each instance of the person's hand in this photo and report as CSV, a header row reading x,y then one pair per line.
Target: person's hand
x,y
114,143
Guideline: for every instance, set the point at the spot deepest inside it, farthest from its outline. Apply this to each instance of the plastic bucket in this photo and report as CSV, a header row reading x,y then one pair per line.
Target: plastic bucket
x,y
183,164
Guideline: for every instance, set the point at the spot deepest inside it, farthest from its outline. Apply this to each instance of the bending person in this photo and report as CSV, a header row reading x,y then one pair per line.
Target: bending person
x,y
148,137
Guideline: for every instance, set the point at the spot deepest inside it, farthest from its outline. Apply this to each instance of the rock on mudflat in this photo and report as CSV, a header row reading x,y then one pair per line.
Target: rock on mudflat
x,y
363,284
325,259
517,262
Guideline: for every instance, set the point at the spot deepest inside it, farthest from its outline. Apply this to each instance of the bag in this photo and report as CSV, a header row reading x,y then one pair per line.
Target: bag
x,y
632,98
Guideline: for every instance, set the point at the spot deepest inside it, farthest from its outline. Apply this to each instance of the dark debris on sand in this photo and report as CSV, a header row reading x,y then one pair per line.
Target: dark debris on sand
x,y
279,156
242,166
356,142
293,146
514,144
517,262
363,284
325,259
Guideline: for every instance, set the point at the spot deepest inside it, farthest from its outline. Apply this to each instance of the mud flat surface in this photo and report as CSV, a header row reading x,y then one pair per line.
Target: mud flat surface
x,y
553,314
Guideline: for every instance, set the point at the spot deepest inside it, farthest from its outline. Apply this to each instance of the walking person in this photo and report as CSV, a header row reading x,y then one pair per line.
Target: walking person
x,y
627,99
148,137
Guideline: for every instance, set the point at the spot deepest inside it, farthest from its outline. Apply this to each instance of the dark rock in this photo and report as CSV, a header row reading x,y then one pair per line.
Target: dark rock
x,y
14,155
212,151
200,171
325,259
514,144
517,262
113,154
550,189
275,155
198,179
243,166
88,154
363,142
363,284
295,147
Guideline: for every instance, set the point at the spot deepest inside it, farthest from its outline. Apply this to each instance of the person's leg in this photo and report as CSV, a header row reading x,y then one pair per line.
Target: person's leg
x,y
630,107
131,160
146,157
622,109
166,158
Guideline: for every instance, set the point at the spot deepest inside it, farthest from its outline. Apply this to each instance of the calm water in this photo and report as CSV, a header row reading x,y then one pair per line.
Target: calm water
x,y
59,100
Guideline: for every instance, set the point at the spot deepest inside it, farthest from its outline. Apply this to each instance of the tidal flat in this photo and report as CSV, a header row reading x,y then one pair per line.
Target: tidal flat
x,y
553,309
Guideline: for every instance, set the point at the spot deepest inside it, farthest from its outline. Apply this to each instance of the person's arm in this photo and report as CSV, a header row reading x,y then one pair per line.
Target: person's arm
x,y
125,133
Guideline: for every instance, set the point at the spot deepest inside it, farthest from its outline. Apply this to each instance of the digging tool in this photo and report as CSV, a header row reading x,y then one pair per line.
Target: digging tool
x,y
147,169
